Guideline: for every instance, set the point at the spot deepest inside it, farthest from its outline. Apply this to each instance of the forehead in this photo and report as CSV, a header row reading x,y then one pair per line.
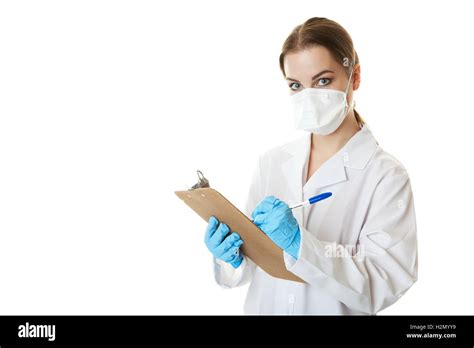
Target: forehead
x,y
309,61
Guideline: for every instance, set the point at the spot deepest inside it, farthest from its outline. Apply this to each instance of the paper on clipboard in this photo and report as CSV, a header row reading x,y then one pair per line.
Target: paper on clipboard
x,y
206,201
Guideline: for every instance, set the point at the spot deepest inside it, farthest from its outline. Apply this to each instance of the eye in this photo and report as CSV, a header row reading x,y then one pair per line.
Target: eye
x,y
324,81
293,85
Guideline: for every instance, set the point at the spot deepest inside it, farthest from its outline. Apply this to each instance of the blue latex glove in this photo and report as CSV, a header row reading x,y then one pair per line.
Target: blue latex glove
x,y
274,217
222,247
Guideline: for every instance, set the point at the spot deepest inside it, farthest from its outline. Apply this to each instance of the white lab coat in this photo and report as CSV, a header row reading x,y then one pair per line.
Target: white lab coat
x,y
371,210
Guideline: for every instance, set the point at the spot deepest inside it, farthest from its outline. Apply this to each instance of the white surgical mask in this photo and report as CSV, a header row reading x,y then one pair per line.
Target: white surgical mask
x,y
320,110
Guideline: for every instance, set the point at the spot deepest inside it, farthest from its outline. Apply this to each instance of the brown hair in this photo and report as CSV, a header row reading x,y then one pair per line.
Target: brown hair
x,y
319,31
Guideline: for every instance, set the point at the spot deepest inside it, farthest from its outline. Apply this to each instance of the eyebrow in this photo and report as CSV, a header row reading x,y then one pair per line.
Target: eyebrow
x,y
314,77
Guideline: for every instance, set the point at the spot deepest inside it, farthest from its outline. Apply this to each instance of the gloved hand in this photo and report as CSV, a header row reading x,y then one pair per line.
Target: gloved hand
x,y
222,247
274,217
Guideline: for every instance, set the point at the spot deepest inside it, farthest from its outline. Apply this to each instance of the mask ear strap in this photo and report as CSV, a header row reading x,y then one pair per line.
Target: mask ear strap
x,y
347,88
349,82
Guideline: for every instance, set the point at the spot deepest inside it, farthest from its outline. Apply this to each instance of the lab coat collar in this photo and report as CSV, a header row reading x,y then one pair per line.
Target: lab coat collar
x,y
355,154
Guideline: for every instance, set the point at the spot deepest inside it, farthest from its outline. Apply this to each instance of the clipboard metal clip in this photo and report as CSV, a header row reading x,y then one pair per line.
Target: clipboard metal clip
x,y
202,181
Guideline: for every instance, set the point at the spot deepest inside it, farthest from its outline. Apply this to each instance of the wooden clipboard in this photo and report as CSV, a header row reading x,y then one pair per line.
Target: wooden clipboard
x,y
257,246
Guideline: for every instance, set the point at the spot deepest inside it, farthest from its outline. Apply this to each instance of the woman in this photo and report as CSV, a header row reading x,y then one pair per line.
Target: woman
x,y
370,215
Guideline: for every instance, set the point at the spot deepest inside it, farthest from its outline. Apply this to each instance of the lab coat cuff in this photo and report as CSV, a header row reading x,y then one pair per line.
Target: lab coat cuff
x,y
318,270
309,247
226,275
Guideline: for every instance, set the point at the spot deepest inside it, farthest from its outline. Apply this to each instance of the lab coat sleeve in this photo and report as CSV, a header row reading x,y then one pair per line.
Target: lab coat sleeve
x,y
385,262
226,275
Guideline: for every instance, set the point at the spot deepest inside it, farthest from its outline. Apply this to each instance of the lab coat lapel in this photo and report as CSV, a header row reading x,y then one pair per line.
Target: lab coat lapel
x,y
331,172
355,154
293,171
294,167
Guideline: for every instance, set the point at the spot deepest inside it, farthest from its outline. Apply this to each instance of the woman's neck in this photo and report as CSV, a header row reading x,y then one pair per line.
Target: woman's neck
x,y
328,145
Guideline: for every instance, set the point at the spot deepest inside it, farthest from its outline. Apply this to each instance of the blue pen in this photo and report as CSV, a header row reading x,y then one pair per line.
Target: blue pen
x,y
313,200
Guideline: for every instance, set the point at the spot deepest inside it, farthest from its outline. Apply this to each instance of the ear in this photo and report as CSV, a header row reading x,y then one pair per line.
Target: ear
x,y
356,77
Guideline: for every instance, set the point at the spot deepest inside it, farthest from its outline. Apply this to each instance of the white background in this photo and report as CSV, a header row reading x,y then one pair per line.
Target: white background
x,y
107,107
